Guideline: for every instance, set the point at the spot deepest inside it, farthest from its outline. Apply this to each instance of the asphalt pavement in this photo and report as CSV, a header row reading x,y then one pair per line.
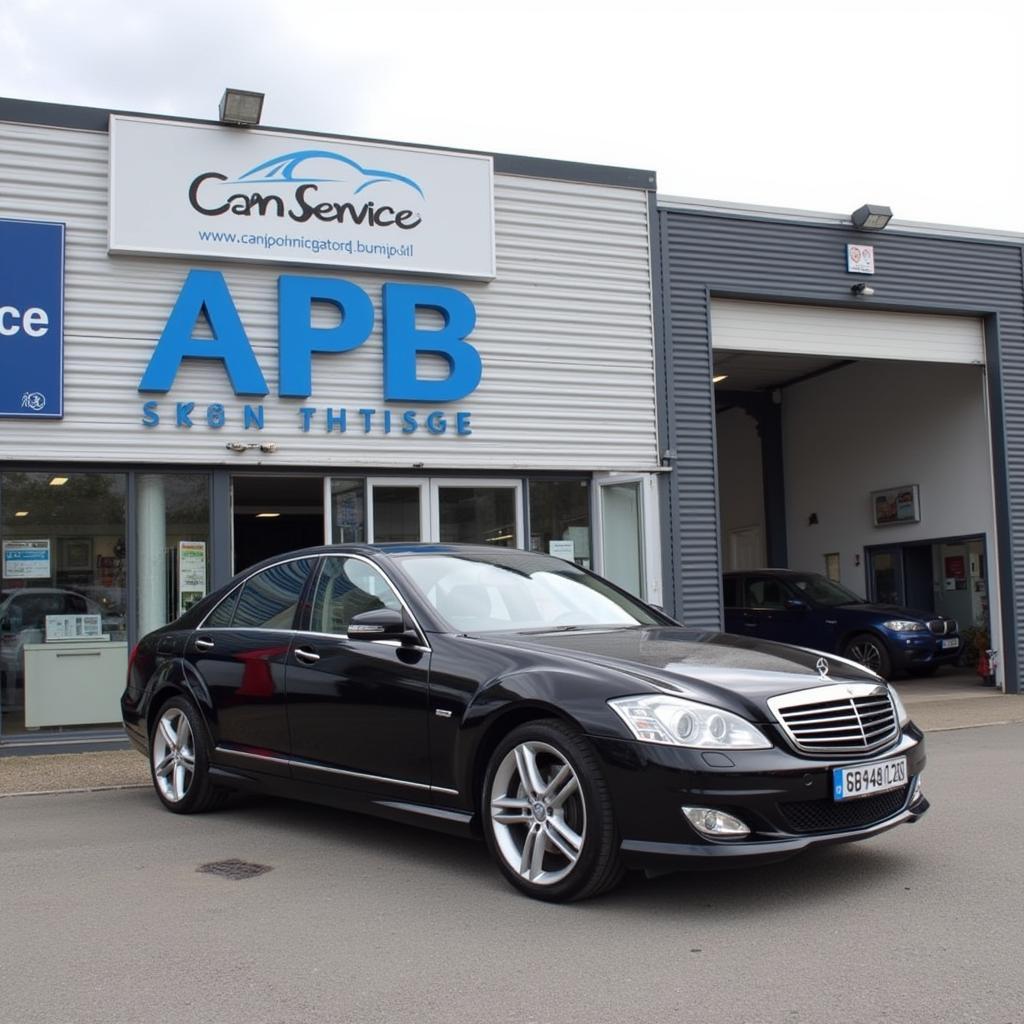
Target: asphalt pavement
x,y
105,918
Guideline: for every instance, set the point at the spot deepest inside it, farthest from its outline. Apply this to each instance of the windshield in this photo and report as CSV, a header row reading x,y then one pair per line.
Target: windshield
x,y
823,591
477,593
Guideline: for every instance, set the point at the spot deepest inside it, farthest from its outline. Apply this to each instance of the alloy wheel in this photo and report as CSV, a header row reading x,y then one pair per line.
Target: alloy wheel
x,y
174,755
538,814
867,653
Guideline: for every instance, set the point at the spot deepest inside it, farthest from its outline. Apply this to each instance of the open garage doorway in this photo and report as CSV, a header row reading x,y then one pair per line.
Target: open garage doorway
x,y
855,444
275,514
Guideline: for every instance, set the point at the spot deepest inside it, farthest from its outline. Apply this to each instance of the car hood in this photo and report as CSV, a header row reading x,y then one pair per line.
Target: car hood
x,y
891,611
732,671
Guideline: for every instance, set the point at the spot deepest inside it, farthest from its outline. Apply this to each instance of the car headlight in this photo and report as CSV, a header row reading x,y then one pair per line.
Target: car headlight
x,y
901,711
677,722
905,626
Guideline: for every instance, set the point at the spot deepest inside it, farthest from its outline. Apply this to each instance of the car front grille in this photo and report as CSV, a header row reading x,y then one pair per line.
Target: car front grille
x,y
833,816
943,627
852,718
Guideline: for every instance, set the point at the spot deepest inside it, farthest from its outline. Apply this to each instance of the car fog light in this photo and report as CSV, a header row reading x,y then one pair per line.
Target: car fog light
x,y
918,791
718,824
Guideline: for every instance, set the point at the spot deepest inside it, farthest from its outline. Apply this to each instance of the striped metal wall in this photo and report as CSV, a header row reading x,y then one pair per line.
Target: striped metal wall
x,y
565,334
727,255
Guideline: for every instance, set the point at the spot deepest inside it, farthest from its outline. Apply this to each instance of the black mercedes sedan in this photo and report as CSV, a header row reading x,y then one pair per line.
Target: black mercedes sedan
x,y
515,695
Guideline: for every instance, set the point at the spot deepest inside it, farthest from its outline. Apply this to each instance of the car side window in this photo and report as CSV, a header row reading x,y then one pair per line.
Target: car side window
x,y
270,598
730,589
348,587
222,615
765,593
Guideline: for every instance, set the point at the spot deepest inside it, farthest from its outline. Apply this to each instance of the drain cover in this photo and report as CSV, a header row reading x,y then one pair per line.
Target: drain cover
x,y
234,868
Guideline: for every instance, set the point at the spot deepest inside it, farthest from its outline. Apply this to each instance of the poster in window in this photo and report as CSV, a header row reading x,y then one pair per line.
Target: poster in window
x,y
27,560
896,506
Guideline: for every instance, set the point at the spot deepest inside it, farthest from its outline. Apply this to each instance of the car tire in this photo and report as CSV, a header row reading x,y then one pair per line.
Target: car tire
x,y
547,814
179,759
869,651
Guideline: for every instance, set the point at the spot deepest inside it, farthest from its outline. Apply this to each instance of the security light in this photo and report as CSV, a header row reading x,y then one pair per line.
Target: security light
x,y
242,108
871,218
862,290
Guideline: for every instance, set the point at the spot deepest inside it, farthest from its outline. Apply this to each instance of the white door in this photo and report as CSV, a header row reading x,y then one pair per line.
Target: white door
x,y
628,534
746,548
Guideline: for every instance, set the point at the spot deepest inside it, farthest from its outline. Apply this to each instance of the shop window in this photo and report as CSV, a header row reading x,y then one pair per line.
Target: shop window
x,y
173,533
560,519
63,582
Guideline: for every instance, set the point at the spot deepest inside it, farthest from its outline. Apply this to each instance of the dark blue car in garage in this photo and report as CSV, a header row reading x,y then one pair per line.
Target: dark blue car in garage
x,y
810,610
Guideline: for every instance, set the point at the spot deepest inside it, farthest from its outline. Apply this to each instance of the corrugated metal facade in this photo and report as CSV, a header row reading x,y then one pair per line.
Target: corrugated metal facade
x,y
565,334
730,256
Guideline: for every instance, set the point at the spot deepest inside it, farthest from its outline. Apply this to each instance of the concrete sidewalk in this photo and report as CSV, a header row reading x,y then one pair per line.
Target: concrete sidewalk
x,y
954,701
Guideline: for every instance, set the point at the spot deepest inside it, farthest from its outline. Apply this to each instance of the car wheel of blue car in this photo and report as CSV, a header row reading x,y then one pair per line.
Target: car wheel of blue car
x,y
870,652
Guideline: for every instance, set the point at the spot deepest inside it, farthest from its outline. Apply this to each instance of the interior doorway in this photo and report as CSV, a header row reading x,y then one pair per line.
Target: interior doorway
x,y
275,514
948,576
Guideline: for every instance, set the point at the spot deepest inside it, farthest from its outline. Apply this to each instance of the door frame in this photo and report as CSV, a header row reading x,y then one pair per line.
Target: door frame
x,y
422,483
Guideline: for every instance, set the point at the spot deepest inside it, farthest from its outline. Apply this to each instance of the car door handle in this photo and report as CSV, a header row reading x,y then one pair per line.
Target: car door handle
x,y
203,644
308,656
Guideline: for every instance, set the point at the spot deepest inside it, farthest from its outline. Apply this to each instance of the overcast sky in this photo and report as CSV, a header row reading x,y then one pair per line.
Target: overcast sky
x,y
818,105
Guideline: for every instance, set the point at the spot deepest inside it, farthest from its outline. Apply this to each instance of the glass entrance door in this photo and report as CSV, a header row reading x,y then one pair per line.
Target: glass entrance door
x,y
459,511
885,576
477,512
398,510
628,529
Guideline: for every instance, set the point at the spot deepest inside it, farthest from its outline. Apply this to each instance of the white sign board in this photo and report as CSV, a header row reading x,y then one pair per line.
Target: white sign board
x,y
213,191
74,627
562,549
860,259
27,560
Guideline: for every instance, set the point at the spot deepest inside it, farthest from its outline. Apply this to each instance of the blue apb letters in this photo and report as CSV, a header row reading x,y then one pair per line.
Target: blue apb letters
x,y
403,340
205,294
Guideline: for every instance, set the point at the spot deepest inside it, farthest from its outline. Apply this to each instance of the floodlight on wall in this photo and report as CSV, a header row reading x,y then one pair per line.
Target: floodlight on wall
x,y
871,218
241,108
862,290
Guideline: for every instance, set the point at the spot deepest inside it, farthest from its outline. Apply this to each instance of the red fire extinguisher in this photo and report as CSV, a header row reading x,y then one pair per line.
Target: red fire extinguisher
x,y
987,667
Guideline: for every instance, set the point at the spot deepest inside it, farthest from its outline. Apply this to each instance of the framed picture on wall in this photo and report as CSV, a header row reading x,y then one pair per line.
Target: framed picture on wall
x,y
896,506
76,554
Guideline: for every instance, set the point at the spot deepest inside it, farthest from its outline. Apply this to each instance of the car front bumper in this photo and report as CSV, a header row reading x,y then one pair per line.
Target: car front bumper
x,y
785,799
910,651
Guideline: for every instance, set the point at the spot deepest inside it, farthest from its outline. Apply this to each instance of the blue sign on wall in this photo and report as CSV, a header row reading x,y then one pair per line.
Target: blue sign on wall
x,y
31,319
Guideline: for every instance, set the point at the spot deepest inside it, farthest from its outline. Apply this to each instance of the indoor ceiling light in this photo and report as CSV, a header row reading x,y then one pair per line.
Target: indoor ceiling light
x,y
58,481
267,515
719,378
20,515
871,218
239,107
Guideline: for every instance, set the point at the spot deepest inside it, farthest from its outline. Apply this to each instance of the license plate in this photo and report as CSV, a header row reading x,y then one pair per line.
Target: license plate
x,y
951,642
868,779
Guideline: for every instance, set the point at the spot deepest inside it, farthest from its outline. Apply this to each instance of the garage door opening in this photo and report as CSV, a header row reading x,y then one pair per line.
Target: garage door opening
x,y
872,472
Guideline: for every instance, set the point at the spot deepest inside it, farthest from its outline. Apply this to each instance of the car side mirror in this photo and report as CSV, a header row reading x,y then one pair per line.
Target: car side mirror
x,y
379,624
796,604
